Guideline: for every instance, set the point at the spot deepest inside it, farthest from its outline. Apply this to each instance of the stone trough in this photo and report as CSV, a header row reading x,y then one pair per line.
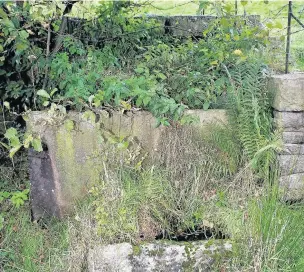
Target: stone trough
x,y
70,164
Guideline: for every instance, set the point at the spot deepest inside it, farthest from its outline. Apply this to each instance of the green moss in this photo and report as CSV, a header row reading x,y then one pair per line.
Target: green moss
x,y
136,250
75,155
210,243
157,252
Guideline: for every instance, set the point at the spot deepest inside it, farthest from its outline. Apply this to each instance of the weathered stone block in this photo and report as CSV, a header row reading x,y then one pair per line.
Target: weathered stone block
x,y
291,164
64,171
288,90
292,149
292,186
289,121
156,257
293,137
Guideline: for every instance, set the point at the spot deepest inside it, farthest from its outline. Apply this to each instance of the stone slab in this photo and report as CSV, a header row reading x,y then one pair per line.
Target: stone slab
x,y
293,186
291,164
161,256
288,91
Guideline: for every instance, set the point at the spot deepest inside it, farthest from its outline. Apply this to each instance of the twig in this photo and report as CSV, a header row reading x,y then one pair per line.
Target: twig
x,y
47,55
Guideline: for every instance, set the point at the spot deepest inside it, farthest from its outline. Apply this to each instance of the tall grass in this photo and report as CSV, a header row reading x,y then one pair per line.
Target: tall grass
x,y
26,246
271,237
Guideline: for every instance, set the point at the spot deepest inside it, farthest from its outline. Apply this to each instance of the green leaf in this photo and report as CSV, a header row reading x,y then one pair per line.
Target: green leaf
x,y
3,14
2,72
278,25
1,48
8,23
14,150
5,145
6,104
224,22
146,100
139,70
53,91
23,34
161,76
206,105
21,46
46,103
244,3
29,138
37,145
43,93
11,132
269,25
14,141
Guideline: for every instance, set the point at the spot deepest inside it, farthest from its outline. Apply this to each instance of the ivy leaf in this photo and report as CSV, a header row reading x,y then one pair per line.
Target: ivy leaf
x,y
43,93
37,145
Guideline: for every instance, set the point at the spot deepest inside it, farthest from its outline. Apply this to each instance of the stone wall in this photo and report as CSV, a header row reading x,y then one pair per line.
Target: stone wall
x,y
70,163
178,25
288,107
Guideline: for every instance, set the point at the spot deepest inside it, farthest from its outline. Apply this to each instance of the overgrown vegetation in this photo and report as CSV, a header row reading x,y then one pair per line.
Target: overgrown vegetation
x,y
203,184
